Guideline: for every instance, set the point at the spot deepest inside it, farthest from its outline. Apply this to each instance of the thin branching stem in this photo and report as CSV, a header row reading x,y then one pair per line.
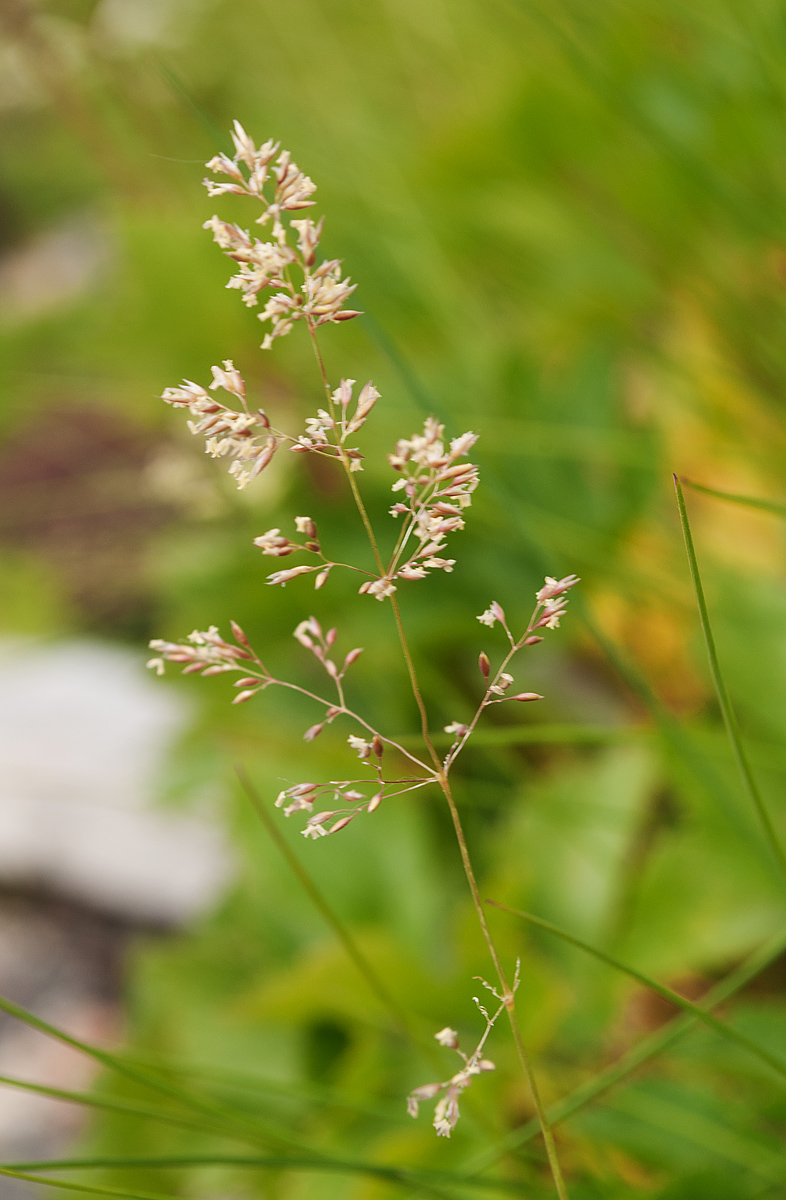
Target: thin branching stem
x,y
442,779
415,685
347,712
507,993
514,649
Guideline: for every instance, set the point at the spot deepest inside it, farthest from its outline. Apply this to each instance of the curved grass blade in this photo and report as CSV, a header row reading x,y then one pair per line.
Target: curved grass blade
x,y
675,736
120,1193
773,506
181,91
702,1131
647,1049
124,1108
231,1124
777,1064
398,1175
247,1082
729,716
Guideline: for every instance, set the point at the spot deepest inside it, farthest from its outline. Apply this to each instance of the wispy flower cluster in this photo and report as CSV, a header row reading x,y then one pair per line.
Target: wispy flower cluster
x,y
206,652
436,488
309,634
243,436
282,189
446,1111
345,800
249,439
347,803
276,545
552,600
327,432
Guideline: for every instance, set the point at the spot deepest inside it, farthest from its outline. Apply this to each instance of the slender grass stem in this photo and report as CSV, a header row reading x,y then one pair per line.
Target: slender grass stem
x,y
726,707
415,685
647,1049
469,872
508,996
442,779
777,1064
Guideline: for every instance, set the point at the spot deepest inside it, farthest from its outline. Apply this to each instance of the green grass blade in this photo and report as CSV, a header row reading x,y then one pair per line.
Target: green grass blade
x,y
217,135
120,1193
702,1131
89,1100
778,1065
674,735
230,1124
773,506
646,1050
399,1175
249,1082
400,363
729,716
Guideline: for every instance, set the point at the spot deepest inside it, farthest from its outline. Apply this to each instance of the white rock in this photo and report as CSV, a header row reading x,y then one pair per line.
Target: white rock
x,y
83,735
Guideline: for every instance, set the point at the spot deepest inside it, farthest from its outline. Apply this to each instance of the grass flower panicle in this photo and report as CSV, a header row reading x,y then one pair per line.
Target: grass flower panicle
x,y
434,485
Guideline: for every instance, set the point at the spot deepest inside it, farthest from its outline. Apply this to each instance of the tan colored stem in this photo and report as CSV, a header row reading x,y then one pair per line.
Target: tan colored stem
x,y
507,994
442,779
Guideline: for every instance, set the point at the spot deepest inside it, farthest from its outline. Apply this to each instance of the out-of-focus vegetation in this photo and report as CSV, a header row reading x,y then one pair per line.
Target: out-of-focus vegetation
x,y
568,226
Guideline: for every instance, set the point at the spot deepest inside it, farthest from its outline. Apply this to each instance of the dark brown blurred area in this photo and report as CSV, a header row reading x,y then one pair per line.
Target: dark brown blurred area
x,y
73,491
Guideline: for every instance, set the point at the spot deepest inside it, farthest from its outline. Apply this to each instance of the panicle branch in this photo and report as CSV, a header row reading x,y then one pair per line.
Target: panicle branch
x,y
446,1112
551,602
208,653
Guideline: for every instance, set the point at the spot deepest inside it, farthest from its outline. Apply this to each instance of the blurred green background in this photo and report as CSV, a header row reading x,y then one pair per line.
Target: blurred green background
x,y
567,222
